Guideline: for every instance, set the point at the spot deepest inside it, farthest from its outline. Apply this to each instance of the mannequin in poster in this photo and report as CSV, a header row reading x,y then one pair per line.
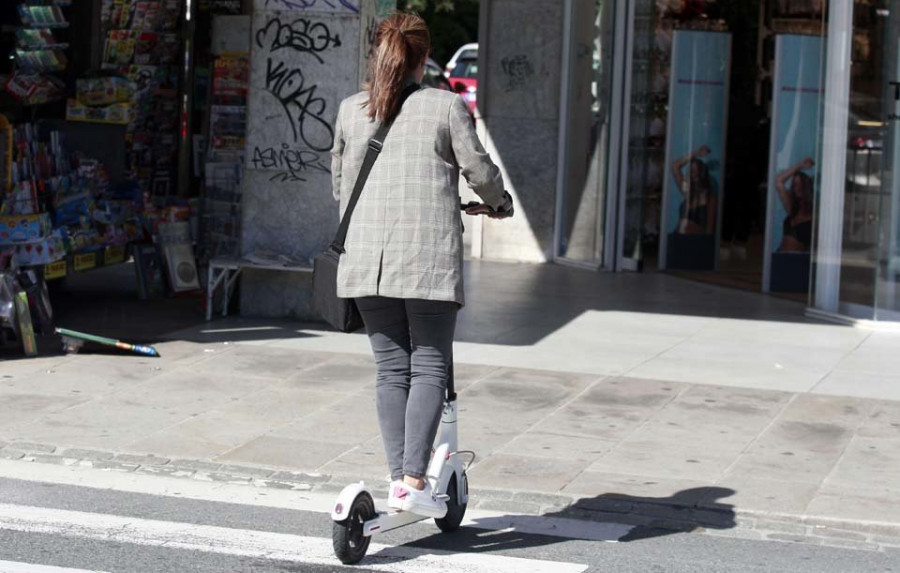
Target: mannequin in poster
x,y
699,205
795,190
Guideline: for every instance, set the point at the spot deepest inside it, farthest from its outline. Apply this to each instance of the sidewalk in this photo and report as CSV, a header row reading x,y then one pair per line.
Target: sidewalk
x,y
659,412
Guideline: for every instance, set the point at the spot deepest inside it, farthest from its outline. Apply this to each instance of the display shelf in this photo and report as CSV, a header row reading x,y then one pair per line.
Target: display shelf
x,y
38,54
43,16
85,261
143,44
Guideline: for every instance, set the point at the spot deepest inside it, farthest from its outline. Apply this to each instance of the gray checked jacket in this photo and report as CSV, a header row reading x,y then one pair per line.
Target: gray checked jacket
x,y
405,235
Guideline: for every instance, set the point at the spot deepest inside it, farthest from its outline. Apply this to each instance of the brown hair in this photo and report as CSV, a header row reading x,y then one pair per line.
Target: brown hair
x,y
402,42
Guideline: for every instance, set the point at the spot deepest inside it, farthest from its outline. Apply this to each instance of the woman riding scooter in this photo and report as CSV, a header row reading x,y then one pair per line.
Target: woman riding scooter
x,y
403,253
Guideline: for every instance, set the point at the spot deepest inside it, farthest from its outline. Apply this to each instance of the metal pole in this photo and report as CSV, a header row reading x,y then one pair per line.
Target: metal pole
x,y
185,124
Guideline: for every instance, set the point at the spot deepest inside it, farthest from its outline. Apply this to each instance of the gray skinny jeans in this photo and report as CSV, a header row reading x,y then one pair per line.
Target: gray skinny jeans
x,y
412,341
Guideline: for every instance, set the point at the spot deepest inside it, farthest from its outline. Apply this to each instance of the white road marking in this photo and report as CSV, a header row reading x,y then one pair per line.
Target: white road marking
x,y
15,567
258,544
243,494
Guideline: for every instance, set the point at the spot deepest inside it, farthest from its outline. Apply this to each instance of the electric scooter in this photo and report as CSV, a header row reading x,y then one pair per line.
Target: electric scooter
x,y
355,518
354,515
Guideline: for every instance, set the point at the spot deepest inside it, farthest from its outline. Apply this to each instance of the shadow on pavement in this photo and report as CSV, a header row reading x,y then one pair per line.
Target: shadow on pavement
x,y
511,305
678,513
604,518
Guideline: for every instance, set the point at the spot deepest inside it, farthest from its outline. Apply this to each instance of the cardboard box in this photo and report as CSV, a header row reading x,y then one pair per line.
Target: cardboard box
x,y
103,91
118,113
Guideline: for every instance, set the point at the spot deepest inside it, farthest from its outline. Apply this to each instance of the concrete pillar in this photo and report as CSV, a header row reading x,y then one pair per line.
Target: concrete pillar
x,y
520,52
306,56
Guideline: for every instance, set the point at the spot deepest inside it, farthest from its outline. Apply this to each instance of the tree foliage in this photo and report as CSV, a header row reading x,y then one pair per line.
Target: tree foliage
x,y
452,23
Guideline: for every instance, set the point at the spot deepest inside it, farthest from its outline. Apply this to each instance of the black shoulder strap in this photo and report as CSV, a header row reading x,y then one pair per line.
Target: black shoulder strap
x,y
375,146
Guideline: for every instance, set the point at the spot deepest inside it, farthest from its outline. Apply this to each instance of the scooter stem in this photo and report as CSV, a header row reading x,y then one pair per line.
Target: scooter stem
x,y
436,467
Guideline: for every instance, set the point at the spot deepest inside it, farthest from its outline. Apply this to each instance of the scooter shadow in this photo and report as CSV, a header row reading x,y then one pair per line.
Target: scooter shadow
x,y
609,517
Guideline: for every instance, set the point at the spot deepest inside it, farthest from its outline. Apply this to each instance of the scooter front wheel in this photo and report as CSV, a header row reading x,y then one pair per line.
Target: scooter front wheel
x,y
455,511
350,545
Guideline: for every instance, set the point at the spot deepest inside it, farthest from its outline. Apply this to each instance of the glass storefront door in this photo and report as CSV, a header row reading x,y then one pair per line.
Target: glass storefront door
x,y
887,301
870,238
643,137
582,218
696,193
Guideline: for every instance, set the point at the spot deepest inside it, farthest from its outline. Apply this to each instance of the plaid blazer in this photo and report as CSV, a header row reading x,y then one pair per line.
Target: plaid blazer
x,y
405,235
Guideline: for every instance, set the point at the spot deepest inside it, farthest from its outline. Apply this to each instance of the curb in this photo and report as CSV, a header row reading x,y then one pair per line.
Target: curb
x,y
737,523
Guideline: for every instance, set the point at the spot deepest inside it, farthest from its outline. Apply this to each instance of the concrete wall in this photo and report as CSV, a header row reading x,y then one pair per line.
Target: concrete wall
x,y
520,48
287,190
304,61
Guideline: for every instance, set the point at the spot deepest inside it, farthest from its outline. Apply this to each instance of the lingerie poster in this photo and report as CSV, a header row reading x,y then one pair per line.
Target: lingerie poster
x,y
793,162
695,150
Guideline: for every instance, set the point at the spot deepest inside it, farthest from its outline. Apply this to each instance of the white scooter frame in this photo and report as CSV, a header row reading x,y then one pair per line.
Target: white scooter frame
x,y
356,519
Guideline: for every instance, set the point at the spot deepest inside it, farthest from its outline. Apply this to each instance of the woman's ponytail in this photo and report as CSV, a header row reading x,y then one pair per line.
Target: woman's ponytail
x,y
402,43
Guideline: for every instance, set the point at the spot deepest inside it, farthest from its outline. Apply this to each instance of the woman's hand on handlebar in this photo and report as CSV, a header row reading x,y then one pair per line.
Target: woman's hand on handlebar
x,y
474,208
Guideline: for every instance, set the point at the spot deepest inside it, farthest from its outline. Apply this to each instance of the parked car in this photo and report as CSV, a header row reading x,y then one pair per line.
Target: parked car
x,y
466,52
464,80
434,77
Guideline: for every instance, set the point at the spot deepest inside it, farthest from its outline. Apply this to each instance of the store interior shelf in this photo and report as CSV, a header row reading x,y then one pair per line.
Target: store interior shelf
x,y
86,261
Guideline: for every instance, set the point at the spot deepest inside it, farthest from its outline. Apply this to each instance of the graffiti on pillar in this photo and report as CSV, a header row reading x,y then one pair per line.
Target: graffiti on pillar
x,y
302,66
330,5
285,44
300,35
517,71
292,164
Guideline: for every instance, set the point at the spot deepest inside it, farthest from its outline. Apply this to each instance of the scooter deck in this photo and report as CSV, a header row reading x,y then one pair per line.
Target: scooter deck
x,y
389,520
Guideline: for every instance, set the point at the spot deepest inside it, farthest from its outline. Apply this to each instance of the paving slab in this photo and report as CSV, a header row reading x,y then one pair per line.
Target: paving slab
x,y
631,393
883,421
103,423
277,452
871,508
349,421
550,445
747,372
238,422
82,382
18,409
853,383
734,416
634,488
123,368
583,418
767,495
876,359
669,456
365,461
869,464
530,393
338,373
183,353
523,473
261,362
794,337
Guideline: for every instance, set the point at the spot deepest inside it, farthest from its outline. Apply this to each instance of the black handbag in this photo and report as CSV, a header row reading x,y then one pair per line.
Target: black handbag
x,y
341,313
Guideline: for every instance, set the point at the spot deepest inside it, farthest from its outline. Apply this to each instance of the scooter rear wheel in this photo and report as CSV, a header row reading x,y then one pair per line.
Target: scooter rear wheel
x,y
455,510
350,545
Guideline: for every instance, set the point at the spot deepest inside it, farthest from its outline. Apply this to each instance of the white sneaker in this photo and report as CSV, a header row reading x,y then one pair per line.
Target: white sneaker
x,y
421,502
391,500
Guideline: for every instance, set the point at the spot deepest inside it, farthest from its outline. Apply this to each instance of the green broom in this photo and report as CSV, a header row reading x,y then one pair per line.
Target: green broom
x,y
73,340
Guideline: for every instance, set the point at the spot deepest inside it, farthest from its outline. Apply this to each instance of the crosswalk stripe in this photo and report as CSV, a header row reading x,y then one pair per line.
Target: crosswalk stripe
x,y
16,567
286,499
258,544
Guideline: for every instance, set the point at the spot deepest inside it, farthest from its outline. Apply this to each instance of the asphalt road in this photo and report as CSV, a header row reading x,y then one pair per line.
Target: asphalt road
x,y
46,525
